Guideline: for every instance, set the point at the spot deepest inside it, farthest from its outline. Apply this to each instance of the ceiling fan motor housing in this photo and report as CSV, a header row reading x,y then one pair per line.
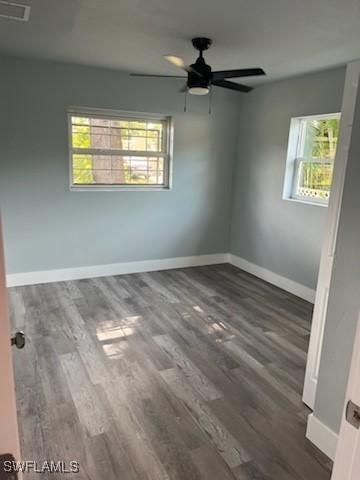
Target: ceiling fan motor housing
x,y
204,79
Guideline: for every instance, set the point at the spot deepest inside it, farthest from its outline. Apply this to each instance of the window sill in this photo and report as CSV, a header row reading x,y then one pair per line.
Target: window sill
x,y
306,202
118,189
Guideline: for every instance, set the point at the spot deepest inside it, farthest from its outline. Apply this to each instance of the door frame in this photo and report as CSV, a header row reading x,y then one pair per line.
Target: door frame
x,y
9,433
330,236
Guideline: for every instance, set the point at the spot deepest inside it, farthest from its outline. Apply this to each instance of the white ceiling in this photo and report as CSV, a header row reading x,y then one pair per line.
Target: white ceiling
x,y
285,37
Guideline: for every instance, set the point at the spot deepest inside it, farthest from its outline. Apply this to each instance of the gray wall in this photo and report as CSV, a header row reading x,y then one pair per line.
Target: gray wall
x,y
46,226
280,235
344,297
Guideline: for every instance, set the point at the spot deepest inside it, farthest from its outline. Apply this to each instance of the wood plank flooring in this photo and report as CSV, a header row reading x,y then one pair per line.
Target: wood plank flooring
x,y
185,374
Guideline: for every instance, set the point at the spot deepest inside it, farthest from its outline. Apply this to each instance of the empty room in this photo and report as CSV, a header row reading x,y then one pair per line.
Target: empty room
x,y
179,240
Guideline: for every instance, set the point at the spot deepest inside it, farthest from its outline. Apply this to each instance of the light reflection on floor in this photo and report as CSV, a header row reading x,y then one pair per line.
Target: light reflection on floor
x,y
113,333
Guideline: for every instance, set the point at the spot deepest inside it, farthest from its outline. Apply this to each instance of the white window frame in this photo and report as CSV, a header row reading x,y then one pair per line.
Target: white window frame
x,y
166,154
296,139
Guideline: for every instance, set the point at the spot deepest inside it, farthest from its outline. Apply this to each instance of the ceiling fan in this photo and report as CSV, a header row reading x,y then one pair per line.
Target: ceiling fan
x,y
200,77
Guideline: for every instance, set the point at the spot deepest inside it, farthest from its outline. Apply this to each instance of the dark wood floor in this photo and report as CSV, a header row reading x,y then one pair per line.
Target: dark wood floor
x,y
185,374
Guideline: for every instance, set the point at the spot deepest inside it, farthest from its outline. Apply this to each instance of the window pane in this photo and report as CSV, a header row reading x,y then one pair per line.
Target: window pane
x,y
80,120
117,170
320,138
82,170
108,134
315,179
81,136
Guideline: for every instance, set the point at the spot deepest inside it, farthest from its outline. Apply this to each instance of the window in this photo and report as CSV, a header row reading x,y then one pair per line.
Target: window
x,y
118,150
311,154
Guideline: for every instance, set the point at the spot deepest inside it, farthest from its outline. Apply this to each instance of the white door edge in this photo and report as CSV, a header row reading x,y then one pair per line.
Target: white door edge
x,y
347,459
330,236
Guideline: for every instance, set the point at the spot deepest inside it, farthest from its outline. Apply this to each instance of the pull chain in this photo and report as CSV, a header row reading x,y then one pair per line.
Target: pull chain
x,y
185,101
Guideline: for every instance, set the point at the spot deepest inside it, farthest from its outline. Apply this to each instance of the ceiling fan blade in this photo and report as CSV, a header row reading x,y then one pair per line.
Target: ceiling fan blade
x,y
232,86
179,62
244,72
184,88
156,76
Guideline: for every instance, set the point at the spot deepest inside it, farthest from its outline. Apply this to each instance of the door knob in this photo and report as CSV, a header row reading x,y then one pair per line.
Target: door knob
x,y
18,340
353,414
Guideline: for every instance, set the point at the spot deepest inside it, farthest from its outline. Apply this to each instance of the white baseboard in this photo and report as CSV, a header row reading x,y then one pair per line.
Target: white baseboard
x,y
309,392
77,273
59,275
282,282
322,436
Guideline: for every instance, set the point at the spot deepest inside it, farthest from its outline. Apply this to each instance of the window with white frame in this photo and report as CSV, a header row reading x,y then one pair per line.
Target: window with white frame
x,y
311,155
118,150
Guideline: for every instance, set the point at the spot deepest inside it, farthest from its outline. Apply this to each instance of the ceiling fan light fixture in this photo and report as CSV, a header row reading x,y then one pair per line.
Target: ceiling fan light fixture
x,y
198,90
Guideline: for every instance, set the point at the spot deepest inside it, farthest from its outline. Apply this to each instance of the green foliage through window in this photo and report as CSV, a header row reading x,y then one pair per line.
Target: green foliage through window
x,y
321,136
